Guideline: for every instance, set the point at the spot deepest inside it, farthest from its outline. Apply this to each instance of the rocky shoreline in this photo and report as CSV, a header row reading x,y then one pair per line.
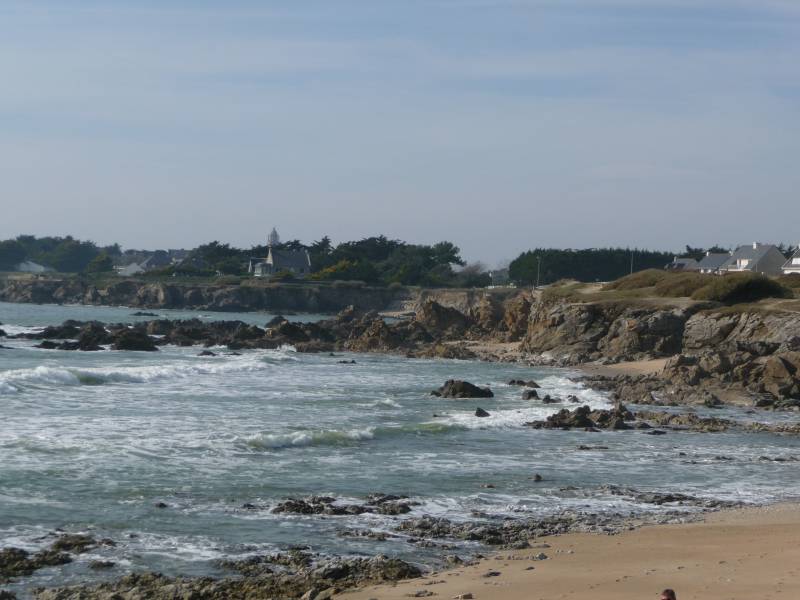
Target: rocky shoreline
x,y
300,574
714,355
711,353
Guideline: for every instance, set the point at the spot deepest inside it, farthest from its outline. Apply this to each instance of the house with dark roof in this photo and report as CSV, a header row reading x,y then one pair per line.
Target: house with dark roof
x,y
296,262
712,262
682,264
765,259
792,266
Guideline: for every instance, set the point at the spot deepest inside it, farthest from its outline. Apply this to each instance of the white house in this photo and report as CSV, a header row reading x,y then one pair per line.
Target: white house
x,y
29,266
792,266
765,259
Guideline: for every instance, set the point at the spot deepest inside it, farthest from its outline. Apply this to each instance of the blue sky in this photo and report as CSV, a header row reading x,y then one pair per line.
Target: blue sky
x,y
498,124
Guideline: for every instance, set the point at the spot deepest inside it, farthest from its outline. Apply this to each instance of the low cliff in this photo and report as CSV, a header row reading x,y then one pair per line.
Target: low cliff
x,y
266,297
711,349
486,305
574,333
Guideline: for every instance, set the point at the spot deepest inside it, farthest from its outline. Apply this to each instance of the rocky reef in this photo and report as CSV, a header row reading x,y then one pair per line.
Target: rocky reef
x,y
714,352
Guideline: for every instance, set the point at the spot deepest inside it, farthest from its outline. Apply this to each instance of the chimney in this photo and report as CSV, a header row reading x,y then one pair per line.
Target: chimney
x,y
755,245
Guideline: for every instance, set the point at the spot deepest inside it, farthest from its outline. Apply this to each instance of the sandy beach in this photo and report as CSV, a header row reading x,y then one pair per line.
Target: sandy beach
x,y
744,554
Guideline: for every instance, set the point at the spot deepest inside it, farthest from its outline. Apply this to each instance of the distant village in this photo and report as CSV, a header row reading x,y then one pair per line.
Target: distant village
x,y
294,260
765,259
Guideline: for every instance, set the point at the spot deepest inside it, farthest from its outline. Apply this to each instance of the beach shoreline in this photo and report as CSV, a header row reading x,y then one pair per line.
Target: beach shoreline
x,y
743,554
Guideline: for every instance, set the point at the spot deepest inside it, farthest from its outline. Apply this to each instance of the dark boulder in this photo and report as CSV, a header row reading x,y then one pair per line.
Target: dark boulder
x,y
462,389
76,543
479,412
132,339
92,336
47,345
276,321
530,395
566,419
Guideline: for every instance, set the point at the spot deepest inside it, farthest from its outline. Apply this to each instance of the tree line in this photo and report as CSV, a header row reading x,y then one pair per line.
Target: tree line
x,y
376,260
64,254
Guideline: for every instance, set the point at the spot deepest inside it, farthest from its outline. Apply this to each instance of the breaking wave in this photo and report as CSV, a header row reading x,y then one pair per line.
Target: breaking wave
x,y
335,437
44,376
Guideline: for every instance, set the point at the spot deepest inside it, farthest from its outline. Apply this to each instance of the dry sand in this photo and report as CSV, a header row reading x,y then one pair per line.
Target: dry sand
x,y
747,554
638,367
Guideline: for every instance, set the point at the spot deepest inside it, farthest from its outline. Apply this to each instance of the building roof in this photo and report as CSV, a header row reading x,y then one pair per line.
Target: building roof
x,y
713,262
289,259
751,252
789,264
682,264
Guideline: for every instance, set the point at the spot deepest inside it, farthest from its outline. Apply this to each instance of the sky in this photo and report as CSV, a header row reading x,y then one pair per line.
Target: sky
x,y
500,125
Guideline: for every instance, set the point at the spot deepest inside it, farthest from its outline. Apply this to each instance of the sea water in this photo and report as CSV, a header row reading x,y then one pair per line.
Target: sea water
x,y
98,442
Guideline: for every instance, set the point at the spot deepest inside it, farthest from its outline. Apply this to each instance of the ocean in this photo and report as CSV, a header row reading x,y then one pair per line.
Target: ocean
x,y
180,459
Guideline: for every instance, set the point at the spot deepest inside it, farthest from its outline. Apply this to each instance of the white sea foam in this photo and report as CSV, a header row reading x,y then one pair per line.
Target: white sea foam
x,y
13,380
20,329
382,403
274,441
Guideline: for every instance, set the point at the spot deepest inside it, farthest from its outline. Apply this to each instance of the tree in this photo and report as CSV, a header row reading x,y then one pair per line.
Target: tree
x,y
101,263
11,254
447,253
592,264
71,255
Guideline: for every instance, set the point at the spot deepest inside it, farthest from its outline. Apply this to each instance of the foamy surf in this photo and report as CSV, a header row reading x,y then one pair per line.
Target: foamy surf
x,y
13,381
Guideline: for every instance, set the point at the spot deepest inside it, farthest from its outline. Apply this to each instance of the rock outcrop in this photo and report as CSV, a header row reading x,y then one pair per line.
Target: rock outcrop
x,y
462,389
575,333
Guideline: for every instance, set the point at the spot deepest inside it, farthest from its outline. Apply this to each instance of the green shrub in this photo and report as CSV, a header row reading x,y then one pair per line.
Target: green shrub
x,y
634,281
681,285
790,281
737,288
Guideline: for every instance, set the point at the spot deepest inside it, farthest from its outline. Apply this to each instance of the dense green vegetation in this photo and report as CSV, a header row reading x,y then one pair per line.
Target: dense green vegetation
x,y
374,260
592,264
102,263
378,260
66,254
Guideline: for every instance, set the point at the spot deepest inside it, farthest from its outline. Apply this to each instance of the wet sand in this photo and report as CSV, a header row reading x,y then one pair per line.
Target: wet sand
x,y
743,554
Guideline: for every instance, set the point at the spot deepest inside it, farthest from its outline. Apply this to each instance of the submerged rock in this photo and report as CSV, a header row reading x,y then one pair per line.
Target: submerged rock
x,y
16,562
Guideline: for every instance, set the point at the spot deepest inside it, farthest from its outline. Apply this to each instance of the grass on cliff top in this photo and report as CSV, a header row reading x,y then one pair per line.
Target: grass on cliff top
x,y
653,284
662,284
